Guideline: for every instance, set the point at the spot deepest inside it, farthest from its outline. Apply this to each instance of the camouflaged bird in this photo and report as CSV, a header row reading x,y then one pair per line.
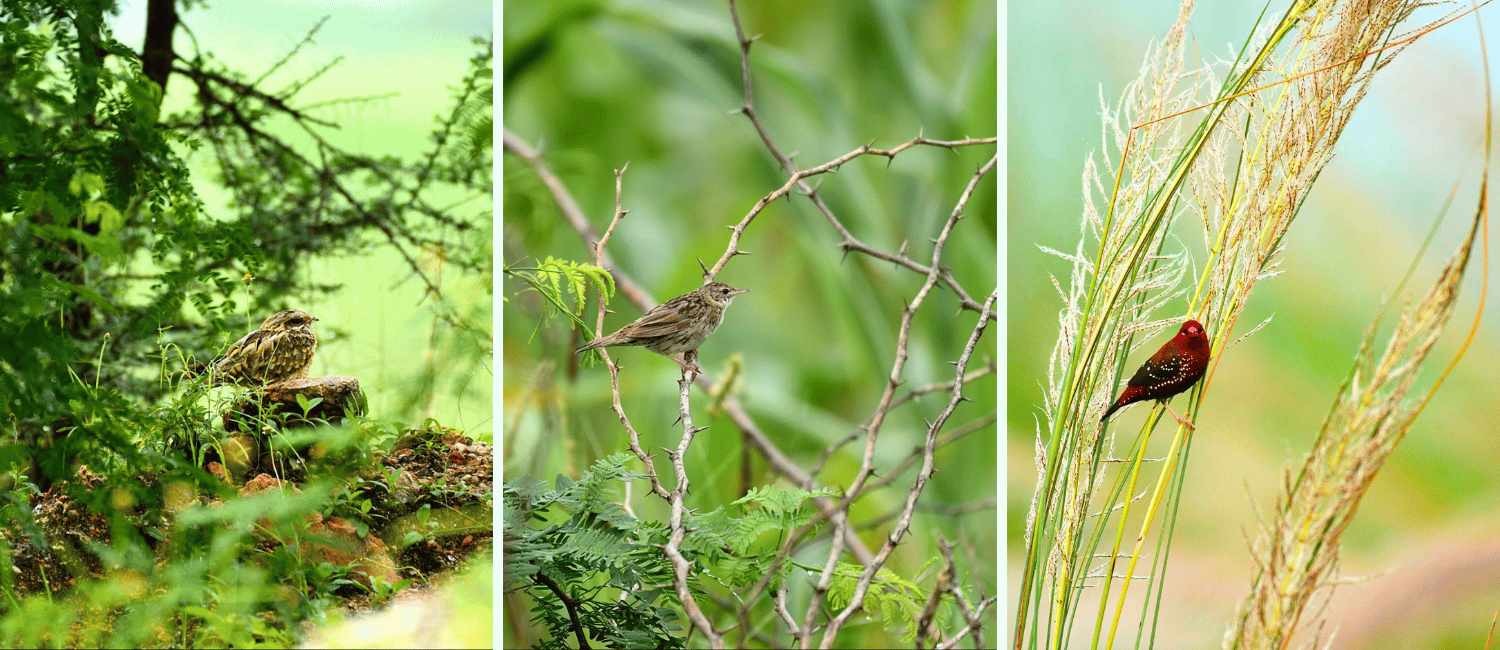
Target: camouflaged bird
x,y
678,325
281,349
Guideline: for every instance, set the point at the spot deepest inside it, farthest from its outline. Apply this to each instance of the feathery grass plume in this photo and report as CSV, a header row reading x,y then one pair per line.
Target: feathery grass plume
x,y
1240,168
1297,553
1298,550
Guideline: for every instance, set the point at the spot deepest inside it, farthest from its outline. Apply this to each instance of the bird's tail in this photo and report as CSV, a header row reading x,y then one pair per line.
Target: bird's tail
x,y
195,370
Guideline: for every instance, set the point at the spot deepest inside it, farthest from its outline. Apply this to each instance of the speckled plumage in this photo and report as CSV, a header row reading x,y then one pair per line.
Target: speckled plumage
x,y
1174,368
281,349
677,325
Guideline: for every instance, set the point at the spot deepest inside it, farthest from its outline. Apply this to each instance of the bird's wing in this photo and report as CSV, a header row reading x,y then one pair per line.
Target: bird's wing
x,y
1156,370
248,352
661,321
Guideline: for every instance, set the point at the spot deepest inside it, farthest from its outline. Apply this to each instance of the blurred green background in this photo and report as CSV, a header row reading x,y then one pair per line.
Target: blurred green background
x,y
377,328
653,83
1429,519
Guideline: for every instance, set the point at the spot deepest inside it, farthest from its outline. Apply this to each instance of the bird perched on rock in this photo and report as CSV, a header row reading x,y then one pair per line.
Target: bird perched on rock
x,y
281,349
1174,368
677,325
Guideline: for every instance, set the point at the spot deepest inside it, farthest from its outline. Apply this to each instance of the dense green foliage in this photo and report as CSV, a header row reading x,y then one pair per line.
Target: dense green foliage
x,y
578,554
112,271
116,277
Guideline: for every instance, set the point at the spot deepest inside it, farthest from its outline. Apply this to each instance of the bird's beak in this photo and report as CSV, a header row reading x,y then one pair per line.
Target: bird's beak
x,y
739,291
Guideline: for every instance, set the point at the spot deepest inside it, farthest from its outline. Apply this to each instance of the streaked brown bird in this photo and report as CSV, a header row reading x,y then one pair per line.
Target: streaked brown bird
x,y
1174,368
677,325
281,349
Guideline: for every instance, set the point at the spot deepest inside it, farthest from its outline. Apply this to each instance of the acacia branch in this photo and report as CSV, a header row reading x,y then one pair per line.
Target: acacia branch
x,y
850,242
872,431
614,368
570,606
775,458
904,523
828,453
673,549
575,218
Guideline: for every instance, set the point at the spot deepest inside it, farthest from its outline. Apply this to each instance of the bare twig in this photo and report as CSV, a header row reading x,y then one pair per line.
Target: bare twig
x,y
933,388
850,242
614,368
856,601
673,549
568,604
872,430
575,217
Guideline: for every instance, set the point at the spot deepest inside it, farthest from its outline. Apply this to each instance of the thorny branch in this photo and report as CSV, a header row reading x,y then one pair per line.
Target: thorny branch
x,y
973,616
775,458
673,549
867,465
843,536
575,217
797,179
614,368
828,453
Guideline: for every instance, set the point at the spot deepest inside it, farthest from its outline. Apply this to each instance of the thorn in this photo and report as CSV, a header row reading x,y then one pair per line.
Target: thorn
x,y
953,363
699,430
961,398
739,252
732,111
705,269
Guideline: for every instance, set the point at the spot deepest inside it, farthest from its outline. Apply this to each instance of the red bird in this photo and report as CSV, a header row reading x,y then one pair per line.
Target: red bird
x,y
1174,368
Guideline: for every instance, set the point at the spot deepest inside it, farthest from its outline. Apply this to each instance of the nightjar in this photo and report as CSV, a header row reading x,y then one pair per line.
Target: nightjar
x,y
281,349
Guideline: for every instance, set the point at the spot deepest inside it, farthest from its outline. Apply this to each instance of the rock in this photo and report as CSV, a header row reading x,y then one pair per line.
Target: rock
x,y
329,399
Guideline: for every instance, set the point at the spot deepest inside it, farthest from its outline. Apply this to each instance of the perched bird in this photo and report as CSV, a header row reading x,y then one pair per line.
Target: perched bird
x,y
677,325
281,349
1174,368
